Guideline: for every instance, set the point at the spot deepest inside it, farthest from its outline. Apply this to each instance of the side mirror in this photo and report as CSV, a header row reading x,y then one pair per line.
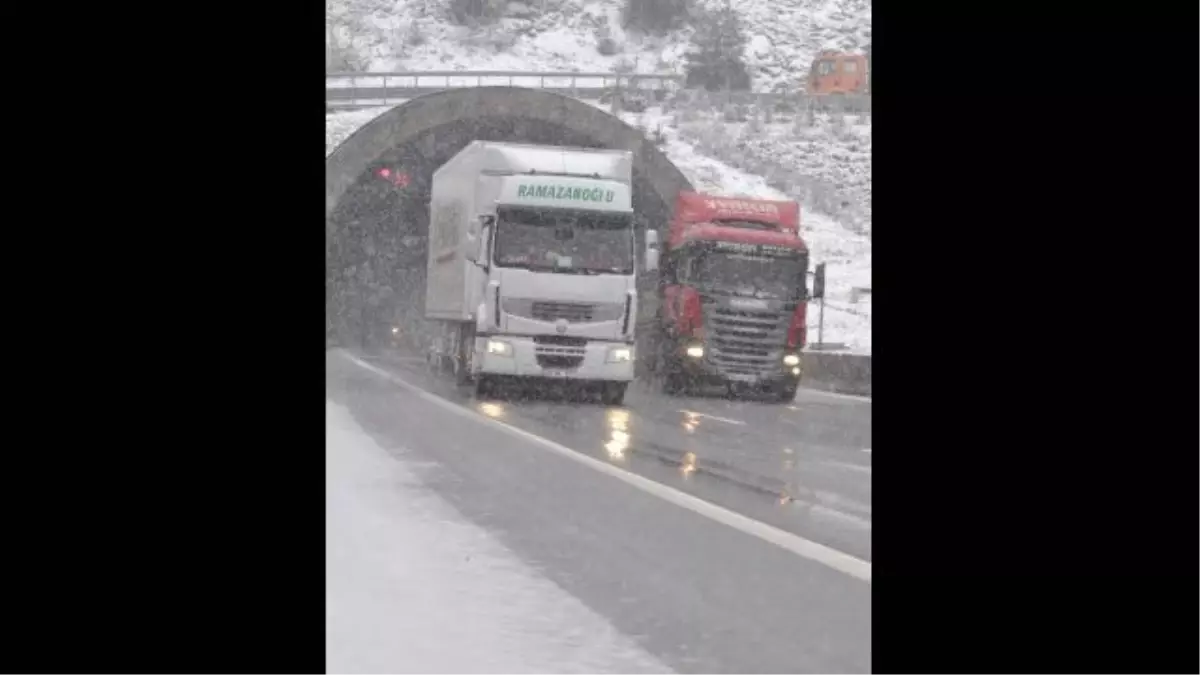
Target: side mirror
x,y
819,282
652,260
651,250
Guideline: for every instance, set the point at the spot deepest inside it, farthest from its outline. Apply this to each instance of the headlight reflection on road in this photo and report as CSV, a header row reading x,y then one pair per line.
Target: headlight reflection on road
x,y
690,421
688,466
618,433
492,410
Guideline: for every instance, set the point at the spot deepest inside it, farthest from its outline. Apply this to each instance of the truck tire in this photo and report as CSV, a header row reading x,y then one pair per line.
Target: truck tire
x,y
614,393
462,359
674,384
786,393
483,386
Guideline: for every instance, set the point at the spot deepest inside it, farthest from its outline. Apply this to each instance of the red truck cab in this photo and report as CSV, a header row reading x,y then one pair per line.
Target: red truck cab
x,y
732,305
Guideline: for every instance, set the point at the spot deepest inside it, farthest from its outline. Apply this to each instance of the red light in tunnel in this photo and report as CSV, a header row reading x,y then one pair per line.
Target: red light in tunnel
x,y
397,178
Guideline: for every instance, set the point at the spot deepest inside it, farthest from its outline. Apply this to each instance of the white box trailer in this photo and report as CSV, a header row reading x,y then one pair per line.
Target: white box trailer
x,y
532,264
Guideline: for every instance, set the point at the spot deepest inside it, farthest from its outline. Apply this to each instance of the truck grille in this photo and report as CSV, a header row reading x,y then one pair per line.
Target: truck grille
x,y
560,340
558,351
574,312
745,342
559,361
553,311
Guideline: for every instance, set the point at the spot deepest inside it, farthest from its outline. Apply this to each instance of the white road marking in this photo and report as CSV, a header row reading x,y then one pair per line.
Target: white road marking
x,y
866,449
847,466
406,359
805,548
834,394
712,417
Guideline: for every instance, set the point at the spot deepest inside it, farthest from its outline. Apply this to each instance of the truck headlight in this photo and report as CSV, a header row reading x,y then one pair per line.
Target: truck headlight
x,y
499,348
695,351
791,360
620,354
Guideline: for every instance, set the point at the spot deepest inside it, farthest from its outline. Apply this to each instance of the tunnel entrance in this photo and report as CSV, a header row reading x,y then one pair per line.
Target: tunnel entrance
x,y
378,186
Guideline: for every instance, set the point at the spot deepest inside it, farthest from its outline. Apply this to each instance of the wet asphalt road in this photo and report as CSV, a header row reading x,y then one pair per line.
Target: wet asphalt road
x,y
699,595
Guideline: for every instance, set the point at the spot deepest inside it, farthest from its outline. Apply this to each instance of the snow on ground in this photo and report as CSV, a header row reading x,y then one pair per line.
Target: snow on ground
x,y
847,254
786,34
339,125
558,35
410,587
822,160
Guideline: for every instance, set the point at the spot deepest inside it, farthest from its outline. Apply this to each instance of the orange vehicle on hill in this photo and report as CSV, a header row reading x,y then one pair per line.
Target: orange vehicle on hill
x,y
838,73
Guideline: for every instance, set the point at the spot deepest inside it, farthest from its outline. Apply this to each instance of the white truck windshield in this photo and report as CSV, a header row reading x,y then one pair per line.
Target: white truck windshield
x,y
565,241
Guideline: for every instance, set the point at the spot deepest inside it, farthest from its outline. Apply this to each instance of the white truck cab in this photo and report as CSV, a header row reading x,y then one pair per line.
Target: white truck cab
x,y
532,264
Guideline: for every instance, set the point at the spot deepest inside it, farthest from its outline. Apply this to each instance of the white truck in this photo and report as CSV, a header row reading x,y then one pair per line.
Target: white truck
x,y
532,265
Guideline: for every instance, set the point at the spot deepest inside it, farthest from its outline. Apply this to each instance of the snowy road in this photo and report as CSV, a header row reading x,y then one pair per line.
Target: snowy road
x,y
693,593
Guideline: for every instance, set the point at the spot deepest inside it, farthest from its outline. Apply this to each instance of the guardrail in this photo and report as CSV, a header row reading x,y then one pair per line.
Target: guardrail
x,y
344,90
363,90
837,371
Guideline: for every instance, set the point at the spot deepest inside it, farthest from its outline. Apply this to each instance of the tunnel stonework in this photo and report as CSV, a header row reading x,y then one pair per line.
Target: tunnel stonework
x,y
424,114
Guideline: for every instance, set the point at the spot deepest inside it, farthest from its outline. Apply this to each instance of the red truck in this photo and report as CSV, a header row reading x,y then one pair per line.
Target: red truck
x,y
732,297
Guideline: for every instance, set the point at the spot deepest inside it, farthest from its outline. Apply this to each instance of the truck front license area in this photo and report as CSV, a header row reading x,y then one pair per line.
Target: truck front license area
x,y
696,361
557,357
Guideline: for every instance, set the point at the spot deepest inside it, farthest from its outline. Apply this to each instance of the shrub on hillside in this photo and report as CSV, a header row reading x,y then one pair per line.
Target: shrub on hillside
x,y
605,44
342,57
715,58
467,12
656,16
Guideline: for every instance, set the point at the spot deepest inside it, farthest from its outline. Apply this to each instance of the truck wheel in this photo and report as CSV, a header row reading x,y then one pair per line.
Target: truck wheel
x,y
614,393
786,393
483,386
462,369
674,384
462,360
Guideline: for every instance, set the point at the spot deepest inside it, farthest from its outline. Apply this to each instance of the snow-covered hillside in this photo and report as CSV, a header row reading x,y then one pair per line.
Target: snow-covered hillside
x,y
826,165
563,35
847,254
823,161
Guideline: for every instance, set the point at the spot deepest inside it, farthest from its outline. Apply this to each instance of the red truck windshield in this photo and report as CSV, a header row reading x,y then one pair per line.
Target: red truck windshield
x,y
746,274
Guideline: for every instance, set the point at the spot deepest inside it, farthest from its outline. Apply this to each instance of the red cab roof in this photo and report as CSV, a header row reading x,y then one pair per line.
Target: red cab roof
x,y
696,215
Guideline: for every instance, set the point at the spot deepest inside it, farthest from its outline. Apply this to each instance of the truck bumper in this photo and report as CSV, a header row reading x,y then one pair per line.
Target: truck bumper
x,y
522,357
702,371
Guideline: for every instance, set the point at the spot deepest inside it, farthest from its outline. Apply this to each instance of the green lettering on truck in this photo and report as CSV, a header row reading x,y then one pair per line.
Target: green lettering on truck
x,y
565,193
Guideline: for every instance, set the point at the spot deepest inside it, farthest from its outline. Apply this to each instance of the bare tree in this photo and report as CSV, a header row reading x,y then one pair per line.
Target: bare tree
x,y
656,16
716,59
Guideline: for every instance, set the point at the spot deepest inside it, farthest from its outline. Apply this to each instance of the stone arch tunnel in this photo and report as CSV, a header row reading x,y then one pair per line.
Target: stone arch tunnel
x,y
375,227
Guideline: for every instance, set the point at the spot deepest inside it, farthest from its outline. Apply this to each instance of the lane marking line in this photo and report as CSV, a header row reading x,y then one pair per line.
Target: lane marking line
x,y
837,395
713,417
793,543
846,466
